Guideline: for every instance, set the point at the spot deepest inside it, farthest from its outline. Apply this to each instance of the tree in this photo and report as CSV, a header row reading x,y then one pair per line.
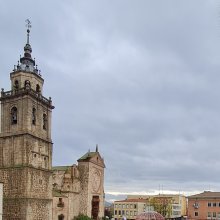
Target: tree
x,y
162,205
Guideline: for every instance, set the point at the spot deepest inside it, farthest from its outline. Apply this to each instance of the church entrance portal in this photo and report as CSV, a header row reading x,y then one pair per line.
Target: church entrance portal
x,y
95,207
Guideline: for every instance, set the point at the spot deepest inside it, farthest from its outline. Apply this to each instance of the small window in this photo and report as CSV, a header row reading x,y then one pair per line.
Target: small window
x,y
214,214
16,85
14,115
119,212
27,84
135,206
60,203
214,204
123,212
116,212
196,214
209,204
34,116
44,121
37,88
209,215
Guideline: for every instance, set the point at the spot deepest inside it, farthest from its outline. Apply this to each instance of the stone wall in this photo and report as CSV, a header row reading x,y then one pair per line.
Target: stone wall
x,y
1,200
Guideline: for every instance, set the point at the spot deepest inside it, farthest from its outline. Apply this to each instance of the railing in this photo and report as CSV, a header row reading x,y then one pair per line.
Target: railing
x,y
26,90
27,68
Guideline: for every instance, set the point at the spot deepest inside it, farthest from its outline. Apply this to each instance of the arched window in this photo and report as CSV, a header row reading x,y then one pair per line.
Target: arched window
x,y
33,116
37,88
14,115
16,85
44,121
27,84
61,217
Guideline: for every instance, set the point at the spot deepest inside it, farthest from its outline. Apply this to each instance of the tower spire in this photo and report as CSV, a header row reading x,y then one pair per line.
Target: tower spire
x,y
28,25
27,60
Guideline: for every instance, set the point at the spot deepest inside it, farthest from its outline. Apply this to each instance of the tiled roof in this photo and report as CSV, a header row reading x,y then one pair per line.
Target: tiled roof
x,y
133,200
206,194
150,215
87,155
61,168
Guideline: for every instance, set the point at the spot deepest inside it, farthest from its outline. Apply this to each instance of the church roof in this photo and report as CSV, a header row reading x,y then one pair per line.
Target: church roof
x,y
88,155
60,168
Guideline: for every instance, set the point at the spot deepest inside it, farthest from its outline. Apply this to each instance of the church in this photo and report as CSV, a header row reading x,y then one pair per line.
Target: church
x,y
32,188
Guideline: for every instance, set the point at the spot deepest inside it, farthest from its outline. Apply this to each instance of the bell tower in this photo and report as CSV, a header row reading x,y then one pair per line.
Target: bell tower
x,y
25,143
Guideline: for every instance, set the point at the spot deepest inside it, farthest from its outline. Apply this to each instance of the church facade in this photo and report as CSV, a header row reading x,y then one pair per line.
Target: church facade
x,y
32,190
78,189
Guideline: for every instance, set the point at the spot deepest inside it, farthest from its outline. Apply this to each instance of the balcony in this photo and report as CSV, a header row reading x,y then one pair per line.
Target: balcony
x,y
26,91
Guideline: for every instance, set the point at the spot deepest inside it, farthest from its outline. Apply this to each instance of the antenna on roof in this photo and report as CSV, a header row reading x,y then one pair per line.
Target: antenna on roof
x,y
96,149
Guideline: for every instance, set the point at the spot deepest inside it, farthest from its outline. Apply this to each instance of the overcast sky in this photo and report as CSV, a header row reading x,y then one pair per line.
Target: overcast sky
x,y
139,78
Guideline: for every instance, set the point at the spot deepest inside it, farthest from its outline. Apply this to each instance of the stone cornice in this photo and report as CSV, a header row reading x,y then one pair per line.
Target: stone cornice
x,y
5,135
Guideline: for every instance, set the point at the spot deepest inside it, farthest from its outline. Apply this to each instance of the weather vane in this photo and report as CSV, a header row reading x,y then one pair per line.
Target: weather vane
x,y
28,25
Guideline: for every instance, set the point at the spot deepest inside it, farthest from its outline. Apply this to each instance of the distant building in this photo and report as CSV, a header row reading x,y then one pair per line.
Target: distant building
x,y
176,205
109,210
205,205
171,206
129,208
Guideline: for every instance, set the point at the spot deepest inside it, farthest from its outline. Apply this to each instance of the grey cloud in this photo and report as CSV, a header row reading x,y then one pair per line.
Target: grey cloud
x,y
141,79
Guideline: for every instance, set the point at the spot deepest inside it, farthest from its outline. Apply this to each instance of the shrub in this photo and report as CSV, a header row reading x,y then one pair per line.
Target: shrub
x,y
82,217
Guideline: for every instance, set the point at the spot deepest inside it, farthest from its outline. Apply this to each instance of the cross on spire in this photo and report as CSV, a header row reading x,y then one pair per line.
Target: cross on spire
x,y
28,25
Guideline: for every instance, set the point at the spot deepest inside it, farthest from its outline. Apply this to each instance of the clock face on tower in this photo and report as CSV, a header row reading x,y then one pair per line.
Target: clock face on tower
x,y
96,180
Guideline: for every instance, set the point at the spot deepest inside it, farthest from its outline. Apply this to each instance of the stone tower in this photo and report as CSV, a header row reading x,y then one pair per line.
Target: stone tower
x,y
91,168
79,189
25,143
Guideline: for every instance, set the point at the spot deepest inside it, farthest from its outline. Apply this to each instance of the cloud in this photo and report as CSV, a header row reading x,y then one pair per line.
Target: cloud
x,y
141,79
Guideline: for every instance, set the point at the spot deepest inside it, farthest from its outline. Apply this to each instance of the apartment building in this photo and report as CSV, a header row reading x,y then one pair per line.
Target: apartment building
x,y
171,206
129,208
205,205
